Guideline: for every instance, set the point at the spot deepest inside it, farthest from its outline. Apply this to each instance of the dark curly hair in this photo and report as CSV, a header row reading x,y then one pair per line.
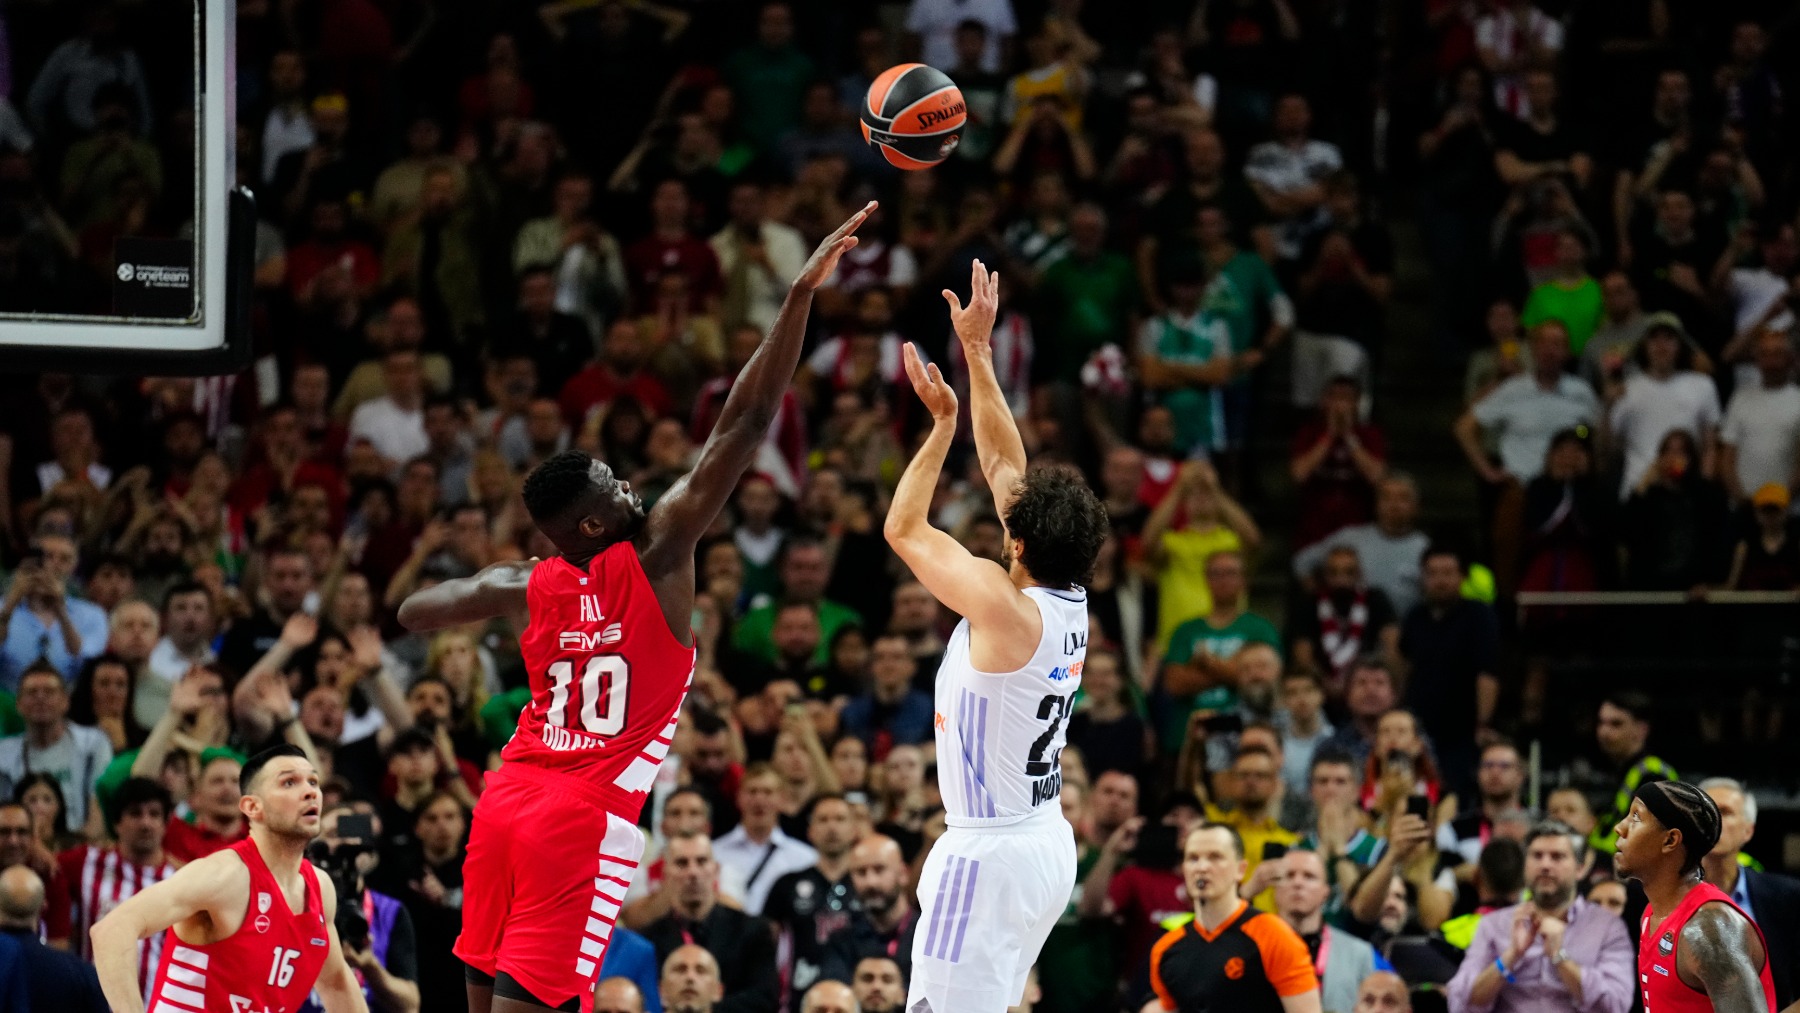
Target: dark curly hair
x,y
1061,522
555,485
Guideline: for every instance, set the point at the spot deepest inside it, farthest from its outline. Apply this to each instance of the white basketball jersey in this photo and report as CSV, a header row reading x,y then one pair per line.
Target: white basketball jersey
x,y
1000,737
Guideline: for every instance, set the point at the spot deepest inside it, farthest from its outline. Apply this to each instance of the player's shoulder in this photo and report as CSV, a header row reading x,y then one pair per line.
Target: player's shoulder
x,y
224,873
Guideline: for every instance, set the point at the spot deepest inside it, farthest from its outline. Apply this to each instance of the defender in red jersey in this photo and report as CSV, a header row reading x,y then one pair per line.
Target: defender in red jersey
x,y
248,929
1697,951
609,653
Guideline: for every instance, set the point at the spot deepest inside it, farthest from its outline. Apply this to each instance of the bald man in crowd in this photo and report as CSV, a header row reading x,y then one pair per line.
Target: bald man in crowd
x,y
1383,992
829,997
618,995
690,981
52,979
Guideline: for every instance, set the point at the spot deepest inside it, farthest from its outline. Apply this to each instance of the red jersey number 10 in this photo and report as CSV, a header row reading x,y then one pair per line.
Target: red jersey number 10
x,y
602,709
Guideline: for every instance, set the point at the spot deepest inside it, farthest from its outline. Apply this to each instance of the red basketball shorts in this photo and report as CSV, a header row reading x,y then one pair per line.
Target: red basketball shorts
x,y
545,874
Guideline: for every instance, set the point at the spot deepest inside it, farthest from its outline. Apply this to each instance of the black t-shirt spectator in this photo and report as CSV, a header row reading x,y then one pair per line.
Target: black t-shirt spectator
x,y
809,909
1109,745
247,641
1533,145
743,945
1674,537
436,926
1336,303
861,939
1446,652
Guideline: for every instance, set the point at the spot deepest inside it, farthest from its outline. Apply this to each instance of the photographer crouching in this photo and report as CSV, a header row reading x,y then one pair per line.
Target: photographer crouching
x,y
376,931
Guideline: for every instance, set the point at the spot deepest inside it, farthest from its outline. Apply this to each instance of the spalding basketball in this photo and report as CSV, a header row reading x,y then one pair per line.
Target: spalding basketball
x,y
914,115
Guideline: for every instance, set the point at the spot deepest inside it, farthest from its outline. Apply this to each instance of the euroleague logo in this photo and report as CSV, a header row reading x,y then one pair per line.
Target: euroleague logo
x,y
1234,968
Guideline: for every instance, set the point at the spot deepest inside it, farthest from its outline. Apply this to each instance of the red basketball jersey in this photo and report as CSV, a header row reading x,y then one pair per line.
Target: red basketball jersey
x,y
269,965
1664,991
607,678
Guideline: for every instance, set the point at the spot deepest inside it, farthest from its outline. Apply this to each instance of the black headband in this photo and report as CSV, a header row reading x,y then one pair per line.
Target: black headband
x,y
1697,839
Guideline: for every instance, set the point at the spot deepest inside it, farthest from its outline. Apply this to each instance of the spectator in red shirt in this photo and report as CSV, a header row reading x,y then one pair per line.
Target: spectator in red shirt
x,y
671,246
330,248
1336,461
620,371
18,846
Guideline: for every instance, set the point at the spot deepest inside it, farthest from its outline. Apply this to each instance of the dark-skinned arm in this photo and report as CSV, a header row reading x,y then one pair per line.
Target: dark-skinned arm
x,y
1722,955
684,513
498,590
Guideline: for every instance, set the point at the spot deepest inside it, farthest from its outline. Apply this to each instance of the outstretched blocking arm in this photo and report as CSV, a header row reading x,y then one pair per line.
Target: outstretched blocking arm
x,y
997,441
496,591
1722,954
205,885
976,589
683,514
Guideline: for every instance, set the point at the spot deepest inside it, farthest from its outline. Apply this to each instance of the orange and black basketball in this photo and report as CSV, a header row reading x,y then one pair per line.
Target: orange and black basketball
x,y
914,115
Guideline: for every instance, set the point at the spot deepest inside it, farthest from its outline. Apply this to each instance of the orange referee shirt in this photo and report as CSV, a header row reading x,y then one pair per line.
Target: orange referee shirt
x,y
1247,965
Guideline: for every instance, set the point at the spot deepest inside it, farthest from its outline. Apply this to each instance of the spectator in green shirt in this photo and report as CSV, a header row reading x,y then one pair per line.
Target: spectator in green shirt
x,y
805,570
769,78
1571,295
1086,299
1200,667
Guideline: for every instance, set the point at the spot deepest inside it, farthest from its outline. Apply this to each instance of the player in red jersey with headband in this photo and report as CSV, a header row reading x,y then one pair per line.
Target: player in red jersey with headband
x,y
610,655
1697,952
250,928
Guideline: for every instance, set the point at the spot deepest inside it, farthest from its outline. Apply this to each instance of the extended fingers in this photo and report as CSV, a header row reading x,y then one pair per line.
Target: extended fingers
x,y
955,303
856,219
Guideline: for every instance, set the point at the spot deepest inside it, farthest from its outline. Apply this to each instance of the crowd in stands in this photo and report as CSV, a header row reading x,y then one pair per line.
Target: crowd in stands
x,y
1226,231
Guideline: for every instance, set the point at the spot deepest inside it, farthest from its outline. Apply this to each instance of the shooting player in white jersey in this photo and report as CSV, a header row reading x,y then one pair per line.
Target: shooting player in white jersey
x,y
995,883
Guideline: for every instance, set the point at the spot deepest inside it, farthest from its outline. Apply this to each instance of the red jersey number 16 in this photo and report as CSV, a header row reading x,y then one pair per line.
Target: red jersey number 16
x,y
602,710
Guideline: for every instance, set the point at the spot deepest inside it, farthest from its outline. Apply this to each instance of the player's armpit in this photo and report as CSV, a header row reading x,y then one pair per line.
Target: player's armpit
x,y
1721,954
213,883
496,591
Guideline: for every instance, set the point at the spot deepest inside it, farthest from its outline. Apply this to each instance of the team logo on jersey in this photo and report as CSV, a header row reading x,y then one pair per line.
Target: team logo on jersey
x,y
262,902
1666,945
262,923
581,640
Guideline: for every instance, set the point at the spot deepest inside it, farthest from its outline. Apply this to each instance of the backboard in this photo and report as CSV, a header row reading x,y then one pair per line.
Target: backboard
x,y
152,251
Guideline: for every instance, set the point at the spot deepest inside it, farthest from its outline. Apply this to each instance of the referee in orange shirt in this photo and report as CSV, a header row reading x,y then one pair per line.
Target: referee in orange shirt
x,y
1231,956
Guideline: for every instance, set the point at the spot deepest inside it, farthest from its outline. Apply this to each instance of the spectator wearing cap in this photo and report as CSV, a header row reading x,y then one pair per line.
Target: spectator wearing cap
x,y
1552,953
1773,901
1668,394
1389,550
1759,441
1523,413
1768,558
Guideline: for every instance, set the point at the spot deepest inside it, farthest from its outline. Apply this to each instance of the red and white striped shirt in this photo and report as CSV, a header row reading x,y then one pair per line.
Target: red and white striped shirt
x,y
101,879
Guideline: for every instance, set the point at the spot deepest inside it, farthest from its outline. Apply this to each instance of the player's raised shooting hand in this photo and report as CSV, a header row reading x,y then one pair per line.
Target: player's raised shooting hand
x,y
974,323
929,384
824,259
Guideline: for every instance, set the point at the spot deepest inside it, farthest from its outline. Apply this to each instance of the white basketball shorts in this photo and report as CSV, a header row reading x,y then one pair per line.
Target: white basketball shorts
x,y
988,898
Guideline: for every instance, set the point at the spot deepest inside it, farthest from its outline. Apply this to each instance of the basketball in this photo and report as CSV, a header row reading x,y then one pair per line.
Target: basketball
x,y
913,115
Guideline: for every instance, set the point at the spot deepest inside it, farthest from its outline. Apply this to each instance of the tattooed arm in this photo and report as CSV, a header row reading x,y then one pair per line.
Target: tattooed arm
x,y
1722,954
